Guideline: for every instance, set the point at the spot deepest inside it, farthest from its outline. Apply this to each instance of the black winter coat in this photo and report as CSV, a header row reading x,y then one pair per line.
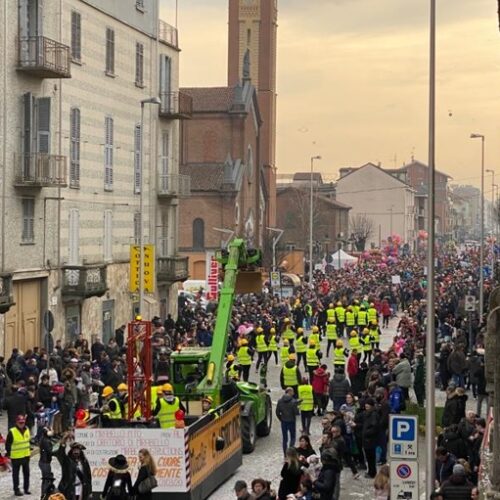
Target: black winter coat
x,y
69,470
456,488
371,429
327,479
143,474
452,411
125,485
290,481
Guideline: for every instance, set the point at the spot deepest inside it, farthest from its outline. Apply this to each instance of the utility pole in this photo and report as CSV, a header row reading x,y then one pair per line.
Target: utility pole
x,y
311,208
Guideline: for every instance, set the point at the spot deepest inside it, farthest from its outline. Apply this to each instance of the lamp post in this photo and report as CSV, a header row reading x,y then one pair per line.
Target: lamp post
x,y
150,100
311,221
430,385
279,234
481,245
492,245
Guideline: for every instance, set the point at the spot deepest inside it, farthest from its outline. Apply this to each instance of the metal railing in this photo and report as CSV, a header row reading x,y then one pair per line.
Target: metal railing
x,y
84,281
176,105
48,58
40,170
174,185
172,269
168,34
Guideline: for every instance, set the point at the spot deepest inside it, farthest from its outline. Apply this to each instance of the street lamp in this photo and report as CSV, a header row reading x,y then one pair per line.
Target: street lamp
x,y
481,246
311,222
492,212
150,100
279,234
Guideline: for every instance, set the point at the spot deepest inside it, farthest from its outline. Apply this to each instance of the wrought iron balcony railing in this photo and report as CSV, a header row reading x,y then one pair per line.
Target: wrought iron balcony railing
x,y
176,105
40,170
44,57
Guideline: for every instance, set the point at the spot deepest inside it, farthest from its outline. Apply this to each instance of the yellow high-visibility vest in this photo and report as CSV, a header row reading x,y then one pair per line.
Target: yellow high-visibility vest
x,y
350,318
284,353
306,395
117,412
244,358
290,376
375,334
330,314
340,313
315,338
367,343
362,318
273,344
300,344
20,447
166,415
372,314
331,331
312,357
260,340
354,343
289,334
338,356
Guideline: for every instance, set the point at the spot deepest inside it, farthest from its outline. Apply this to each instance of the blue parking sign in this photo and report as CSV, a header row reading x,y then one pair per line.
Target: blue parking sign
x,y
403,436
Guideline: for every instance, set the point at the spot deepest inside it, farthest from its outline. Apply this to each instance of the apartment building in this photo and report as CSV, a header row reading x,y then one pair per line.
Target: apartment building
x,y
73,75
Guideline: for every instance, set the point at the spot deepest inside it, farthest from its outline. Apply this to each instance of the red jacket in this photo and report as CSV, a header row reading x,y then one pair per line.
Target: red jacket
x,y
320,381
352,366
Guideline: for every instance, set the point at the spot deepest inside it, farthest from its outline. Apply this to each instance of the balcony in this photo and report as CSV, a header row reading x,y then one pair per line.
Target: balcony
x,y
174,185
81,282
38,170
176,105
44,57
168,34
171,269
6,297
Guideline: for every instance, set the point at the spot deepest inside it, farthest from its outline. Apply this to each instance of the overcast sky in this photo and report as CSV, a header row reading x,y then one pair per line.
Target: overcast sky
x,y
353,79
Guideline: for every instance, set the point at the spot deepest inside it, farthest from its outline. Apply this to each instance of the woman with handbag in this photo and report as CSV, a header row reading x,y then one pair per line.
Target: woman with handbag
x,y
146,480
118,484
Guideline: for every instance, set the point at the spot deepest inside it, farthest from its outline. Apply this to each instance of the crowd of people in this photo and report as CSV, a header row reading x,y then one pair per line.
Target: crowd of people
x,y
326,340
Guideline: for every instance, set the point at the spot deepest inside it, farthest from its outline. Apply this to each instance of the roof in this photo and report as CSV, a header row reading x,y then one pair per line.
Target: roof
x,y
306,176
204,176
333,203
211,98
369,164
416,163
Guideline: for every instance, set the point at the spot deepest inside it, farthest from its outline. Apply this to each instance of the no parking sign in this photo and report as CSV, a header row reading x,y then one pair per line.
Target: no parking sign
x,y
404,480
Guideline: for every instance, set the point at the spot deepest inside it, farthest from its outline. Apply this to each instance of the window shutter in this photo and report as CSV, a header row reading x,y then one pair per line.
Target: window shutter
x,y
165,148
108,236
137,158
76,36
74,169
110,51
28,111
165,83
28,206
74,237
108,153
139,63
43,124
137,227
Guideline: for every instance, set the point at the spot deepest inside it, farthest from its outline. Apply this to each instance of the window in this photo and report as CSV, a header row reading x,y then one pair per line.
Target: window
x,y
74,149
110,52
108,153
139,64
137,158
43,124
137,227
165,149
76,36
28,235
74,237
198,234
108,236
165,83
249,36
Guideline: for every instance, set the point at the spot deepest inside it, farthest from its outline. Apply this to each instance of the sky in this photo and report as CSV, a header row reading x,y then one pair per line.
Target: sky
x,y
353,80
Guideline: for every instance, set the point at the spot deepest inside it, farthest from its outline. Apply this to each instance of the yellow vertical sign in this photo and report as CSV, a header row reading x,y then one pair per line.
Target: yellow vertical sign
x,y
135,266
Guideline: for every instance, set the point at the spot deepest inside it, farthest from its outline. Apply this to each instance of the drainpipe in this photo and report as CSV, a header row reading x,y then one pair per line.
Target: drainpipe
x,y
4,131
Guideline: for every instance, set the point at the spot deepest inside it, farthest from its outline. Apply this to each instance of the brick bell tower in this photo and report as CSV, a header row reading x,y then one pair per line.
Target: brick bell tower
x,y
253,27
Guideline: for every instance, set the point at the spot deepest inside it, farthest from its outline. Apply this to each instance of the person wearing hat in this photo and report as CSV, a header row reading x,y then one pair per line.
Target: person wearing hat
x,y
232,369
306,404
370,436
245,354
355,343
17,448
45,461
301,347
457,486
372,313
167,406
288,332
112,408
340,318
262,347
350,318
273,345
362,318
375,334
315,336
290,374
312,358
339,355
285,351
76,477
118,483
331,334
366,340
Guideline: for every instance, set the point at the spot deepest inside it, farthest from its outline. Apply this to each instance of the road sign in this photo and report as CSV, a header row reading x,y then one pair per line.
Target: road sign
x,y
48,321
470,303
404,479
403,437
149,268
275,279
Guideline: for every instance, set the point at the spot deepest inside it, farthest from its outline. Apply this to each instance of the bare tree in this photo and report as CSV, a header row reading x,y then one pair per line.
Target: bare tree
x,y
361,227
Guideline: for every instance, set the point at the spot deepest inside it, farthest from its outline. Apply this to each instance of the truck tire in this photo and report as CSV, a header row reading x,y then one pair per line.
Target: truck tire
x,y
264,427
248,433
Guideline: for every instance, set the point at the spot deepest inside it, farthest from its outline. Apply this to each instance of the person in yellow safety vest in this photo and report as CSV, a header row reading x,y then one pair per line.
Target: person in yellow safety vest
x,y
166,407
339,354
340,318
122,391
232,369
17,447
354,342
301,347
288,333
366,340
355,306
244,355
156,393
306,405
312,358
285,352
362,317
206,407
290,374
330,312
315,336
350,318
372,312
273,345
261,346
375,333
331,334
112,408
